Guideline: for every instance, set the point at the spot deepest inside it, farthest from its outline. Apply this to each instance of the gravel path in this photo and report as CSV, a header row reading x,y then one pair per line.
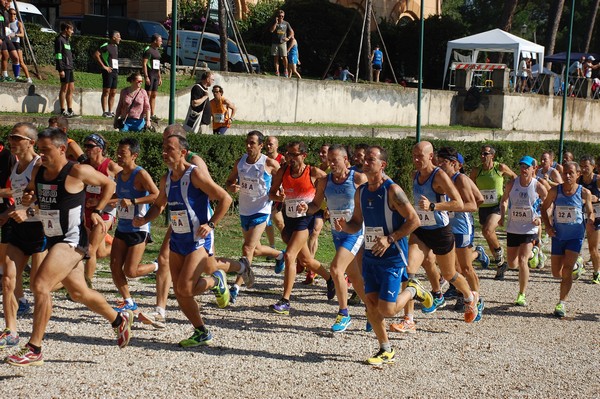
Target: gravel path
x,y
512,352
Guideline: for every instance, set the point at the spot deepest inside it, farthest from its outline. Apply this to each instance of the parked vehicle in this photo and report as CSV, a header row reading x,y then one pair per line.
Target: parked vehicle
x,y
187,48
31,14
130,28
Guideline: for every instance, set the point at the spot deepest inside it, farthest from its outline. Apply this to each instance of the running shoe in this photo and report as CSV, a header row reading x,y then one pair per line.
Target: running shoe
x,y
330,289
382,357
106,115
451,293
29,80
341,323
438,303
596,278
24,309
25,357
500,272
443,284
354,299
310,278
7,339
459,306
578,268
234,291
281,307
471,309
521,300
248,274
499,256
541,259
155,319
123,306
480,307
21,79
221,290
421,295
198,338
280,263
368,326
534,259
68,114
482,257
8,79
405,326
123,331
559,310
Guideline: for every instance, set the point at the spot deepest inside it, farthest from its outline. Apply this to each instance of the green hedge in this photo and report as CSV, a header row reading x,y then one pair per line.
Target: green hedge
x,y
83,49
220,152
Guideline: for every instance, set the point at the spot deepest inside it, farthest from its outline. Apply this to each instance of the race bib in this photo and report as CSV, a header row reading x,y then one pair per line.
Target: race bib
x,y
17,194
126,212
451,215
371,236
427,218
521,214
596,209
219,118
250,186
114,64
156,64
566,214
93,189
51,221
489,196
291,208
345,214
180,222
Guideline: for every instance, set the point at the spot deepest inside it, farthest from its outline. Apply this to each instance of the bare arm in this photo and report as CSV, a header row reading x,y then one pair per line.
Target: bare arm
x,y
506,171
317,201
443,184
463,185
504,201
230,106
157,207
476,193
231,182
274,193
548,202
215,193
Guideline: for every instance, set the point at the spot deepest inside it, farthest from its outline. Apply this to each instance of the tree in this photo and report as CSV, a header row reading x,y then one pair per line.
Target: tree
x,y
505,22
593,14
554,17
223,35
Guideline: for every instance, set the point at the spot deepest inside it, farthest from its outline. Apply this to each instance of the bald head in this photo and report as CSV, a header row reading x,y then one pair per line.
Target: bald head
x,y
174,130
422,155
424,147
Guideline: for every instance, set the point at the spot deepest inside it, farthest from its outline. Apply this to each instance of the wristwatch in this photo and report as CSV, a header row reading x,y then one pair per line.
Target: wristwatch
x,y
133,201
211,225
390,239
30,212
432,206
98,211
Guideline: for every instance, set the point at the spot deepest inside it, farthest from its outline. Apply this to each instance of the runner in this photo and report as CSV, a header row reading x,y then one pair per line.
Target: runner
x,y
547,171
567,228
520,198
434,195
135,192
272,151
590,181
60,189
297,179
188,192
388,219
251,177
339,188
489,178
95,150
23,239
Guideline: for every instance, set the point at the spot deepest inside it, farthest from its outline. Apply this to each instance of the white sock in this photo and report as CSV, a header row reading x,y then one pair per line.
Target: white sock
x,y
23,300
5,74
235,287
280,256
155,263
242,268
129,301
161,311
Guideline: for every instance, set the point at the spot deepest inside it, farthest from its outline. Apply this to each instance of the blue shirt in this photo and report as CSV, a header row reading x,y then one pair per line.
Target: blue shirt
x,y
568,215
126,189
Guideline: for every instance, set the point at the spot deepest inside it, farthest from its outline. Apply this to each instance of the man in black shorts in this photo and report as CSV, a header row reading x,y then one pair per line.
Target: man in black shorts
x,y
151,71
64,66
107,56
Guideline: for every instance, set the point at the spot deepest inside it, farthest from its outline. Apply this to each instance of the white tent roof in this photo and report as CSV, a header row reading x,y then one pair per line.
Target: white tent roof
x,y
495,40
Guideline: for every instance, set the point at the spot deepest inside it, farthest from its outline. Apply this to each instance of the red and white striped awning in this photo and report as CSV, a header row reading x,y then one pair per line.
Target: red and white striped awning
x,y
476,67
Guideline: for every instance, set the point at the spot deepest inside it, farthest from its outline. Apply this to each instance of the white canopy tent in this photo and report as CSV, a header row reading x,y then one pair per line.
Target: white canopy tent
x,y
495,40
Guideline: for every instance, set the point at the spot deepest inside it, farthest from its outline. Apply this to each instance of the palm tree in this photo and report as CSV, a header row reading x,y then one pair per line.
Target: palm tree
x,y
554,16
590,30
508,13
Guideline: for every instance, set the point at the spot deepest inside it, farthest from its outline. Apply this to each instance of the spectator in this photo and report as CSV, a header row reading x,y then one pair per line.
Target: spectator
x,y
282,32
107,56
576,68
18,32
523,75
377,61
588,67
134,105
199,114
293,58
151,69
64,66
8,48
222,111
345,74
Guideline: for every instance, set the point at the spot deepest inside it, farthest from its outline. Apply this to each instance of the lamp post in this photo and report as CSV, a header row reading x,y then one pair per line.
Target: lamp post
x,y
420,87
173,77
523,30
566,87
107,18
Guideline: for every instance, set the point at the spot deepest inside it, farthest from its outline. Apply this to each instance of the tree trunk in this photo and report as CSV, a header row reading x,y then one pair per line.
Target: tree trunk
x,y
368,68
223,35
553,24
505,23
590,29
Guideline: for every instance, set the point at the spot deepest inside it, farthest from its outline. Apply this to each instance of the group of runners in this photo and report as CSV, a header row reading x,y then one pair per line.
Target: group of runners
x,y
58,212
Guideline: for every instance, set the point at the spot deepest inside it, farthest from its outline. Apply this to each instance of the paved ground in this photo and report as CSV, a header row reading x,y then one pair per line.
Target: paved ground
x,y
512,352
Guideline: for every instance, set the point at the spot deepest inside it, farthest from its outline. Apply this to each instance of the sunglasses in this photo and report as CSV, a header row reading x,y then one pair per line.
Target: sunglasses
x,y
293,154
485,154
216,91
16,137
139,81
89,146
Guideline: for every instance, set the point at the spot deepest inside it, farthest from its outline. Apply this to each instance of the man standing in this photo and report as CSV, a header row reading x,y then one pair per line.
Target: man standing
x,y
189,192
64,66
200,106
489,178
388,219
107,56
60,191
377,61
281,33
151,72
251,177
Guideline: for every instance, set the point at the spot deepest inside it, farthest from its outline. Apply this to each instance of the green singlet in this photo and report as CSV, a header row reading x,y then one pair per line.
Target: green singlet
x,y
491,184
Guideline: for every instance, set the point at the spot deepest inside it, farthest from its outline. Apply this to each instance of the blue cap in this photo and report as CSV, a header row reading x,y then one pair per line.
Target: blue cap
x,y
527,160
460,159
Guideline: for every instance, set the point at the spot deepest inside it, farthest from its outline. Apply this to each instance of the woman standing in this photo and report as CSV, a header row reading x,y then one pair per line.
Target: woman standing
x,y
293,58
134,105
17,32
